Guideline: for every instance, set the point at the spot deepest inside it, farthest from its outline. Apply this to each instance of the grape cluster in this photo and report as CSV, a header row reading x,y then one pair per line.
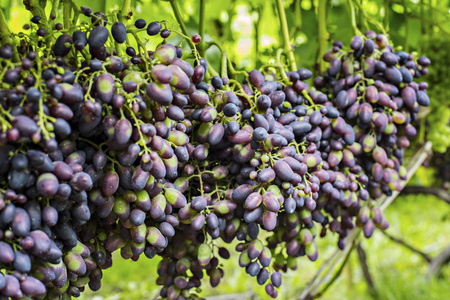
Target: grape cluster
x,y
438,125
143,152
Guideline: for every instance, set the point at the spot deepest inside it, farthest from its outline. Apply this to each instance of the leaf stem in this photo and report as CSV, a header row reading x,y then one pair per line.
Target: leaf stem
x,y
286,40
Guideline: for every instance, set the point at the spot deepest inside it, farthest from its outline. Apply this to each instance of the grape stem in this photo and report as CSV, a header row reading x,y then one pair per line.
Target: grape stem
x,y
201,28
176,12
323,34
286,40
353,15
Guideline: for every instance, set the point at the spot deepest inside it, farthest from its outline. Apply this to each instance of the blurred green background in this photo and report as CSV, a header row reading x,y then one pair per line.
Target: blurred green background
x,y
250,33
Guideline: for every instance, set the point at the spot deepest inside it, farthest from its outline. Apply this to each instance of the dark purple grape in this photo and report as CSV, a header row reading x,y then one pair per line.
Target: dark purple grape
x,y
50,216
253,269
6,253
393,75
165,33
81,181
47,184
153,28
21,223
283,170
389,58
356,43
12,287
140,23
160,93
304,74
275,278
119,32
422,98
110,183
62,45
98,37
30,286
79,40
335,67
22,262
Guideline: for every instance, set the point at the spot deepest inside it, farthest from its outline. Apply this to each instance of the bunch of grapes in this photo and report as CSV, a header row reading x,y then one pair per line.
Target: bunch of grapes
x,y
144,153
438,125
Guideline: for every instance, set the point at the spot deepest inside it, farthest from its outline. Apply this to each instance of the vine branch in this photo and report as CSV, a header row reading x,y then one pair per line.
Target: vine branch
x,y
436,263
407,246
417,189
365,268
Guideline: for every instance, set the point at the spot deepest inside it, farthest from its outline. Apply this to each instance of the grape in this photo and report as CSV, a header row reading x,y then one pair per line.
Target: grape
x,y
12,287
140,23
98,37
79,40
153,28
165,33
110,183
21,223
196,38
119,32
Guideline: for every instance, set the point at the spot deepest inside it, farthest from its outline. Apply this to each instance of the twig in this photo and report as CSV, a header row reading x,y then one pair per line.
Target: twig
x,y
336,275
406,245
416,189
248,294
437,262
336,257
365,268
